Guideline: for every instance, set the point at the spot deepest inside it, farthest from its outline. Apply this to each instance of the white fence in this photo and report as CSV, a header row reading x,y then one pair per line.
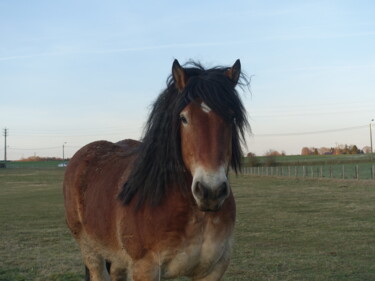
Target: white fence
x,y
346,171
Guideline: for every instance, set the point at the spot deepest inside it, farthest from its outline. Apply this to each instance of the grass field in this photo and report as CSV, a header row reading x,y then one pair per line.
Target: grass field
x,y
287,229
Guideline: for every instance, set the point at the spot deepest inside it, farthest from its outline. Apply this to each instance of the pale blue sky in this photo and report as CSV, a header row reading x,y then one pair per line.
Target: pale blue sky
x,y
79,71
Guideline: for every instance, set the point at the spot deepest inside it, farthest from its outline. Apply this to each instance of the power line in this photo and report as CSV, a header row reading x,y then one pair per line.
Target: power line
x,y
312,133
44,148
71,136
68,134
285,114
40,148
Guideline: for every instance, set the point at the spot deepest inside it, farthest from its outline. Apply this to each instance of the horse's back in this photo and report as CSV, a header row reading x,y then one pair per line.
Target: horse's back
x,y
92,181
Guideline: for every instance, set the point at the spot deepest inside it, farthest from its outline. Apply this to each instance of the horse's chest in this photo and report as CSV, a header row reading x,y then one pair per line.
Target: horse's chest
x,y
199,255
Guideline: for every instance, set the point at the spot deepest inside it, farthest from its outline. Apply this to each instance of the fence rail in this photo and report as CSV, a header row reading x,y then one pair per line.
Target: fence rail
x,y
350,171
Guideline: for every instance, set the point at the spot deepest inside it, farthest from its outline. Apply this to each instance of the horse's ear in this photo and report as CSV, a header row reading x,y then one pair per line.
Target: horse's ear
x,y
234,72
179,75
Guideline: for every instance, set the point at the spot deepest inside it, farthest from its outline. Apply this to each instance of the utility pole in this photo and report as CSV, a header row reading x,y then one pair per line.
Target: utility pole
x,y
371,141
5,145
63,150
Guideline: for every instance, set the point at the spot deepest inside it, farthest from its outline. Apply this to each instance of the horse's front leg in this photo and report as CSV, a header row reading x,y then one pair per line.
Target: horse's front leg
x,y
146,269
218,271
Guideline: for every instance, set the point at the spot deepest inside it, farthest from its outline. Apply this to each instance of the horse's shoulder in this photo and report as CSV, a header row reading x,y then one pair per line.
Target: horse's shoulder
x,y
95,158
105,149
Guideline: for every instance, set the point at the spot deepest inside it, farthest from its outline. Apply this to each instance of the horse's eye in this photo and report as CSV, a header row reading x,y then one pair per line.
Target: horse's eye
x,y
183,119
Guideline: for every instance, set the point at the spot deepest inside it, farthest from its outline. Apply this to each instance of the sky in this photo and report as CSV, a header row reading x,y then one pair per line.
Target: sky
x,y
72,72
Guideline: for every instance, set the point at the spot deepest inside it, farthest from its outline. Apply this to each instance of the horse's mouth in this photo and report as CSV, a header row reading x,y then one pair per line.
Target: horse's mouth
x,y
210,206
209,210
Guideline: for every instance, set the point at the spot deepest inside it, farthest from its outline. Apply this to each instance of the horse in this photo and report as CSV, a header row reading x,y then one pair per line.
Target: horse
x,y
163,207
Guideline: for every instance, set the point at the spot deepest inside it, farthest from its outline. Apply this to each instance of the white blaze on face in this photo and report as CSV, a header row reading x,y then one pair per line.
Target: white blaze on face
x,y
205,107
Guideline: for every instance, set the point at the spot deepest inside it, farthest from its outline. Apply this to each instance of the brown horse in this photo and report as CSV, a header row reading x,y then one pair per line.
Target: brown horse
x,y
163,208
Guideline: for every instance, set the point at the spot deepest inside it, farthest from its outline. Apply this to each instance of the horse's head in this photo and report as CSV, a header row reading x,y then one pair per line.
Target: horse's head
x,y
194,130
208,131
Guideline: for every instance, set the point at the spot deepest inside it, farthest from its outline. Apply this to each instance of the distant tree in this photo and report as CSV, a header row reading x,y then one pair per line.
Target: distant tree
x,y
354,149
316,151
346,149
338,151
250,154
270,161
272,152
38,158
324,151
366,149
305,151
252,160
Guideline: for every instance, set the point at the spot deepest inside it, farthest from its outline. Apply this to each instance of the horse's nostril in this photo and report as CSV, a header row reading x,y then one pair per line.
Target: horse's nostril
x,y
205,193
222,190
201,190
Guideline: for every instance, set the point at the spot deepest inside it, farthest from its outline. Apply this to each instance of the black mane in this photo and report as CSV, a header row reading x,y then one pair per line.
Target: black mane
x,y
159,162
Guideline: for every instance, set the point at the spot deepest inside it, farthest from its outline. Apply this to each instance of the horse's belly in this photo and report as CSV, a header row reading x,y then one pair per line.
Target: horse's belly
x,y
197,259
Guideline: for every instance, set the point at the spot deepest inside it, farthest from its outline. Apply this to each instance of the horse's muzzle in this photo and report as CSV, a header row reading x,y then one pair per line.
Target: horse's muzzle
x,y
210,198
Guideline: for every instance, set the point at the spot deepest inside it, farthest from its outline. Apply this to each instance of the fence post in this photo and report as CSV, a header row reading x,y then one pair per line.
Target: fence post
x,y
357,171
304,171
312,171
343,171
321,171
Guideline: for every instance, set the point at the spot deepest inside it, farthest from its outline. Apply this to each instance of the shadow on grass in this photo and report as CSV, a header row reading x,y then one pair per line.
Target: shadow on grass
x,y
15,275
66,277
22,275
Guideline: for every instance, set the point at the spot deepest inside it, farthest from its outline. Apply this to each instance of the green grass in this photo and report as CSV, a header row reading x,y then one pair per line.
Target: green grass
x,y
290,229
287,229
52,164
35,244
